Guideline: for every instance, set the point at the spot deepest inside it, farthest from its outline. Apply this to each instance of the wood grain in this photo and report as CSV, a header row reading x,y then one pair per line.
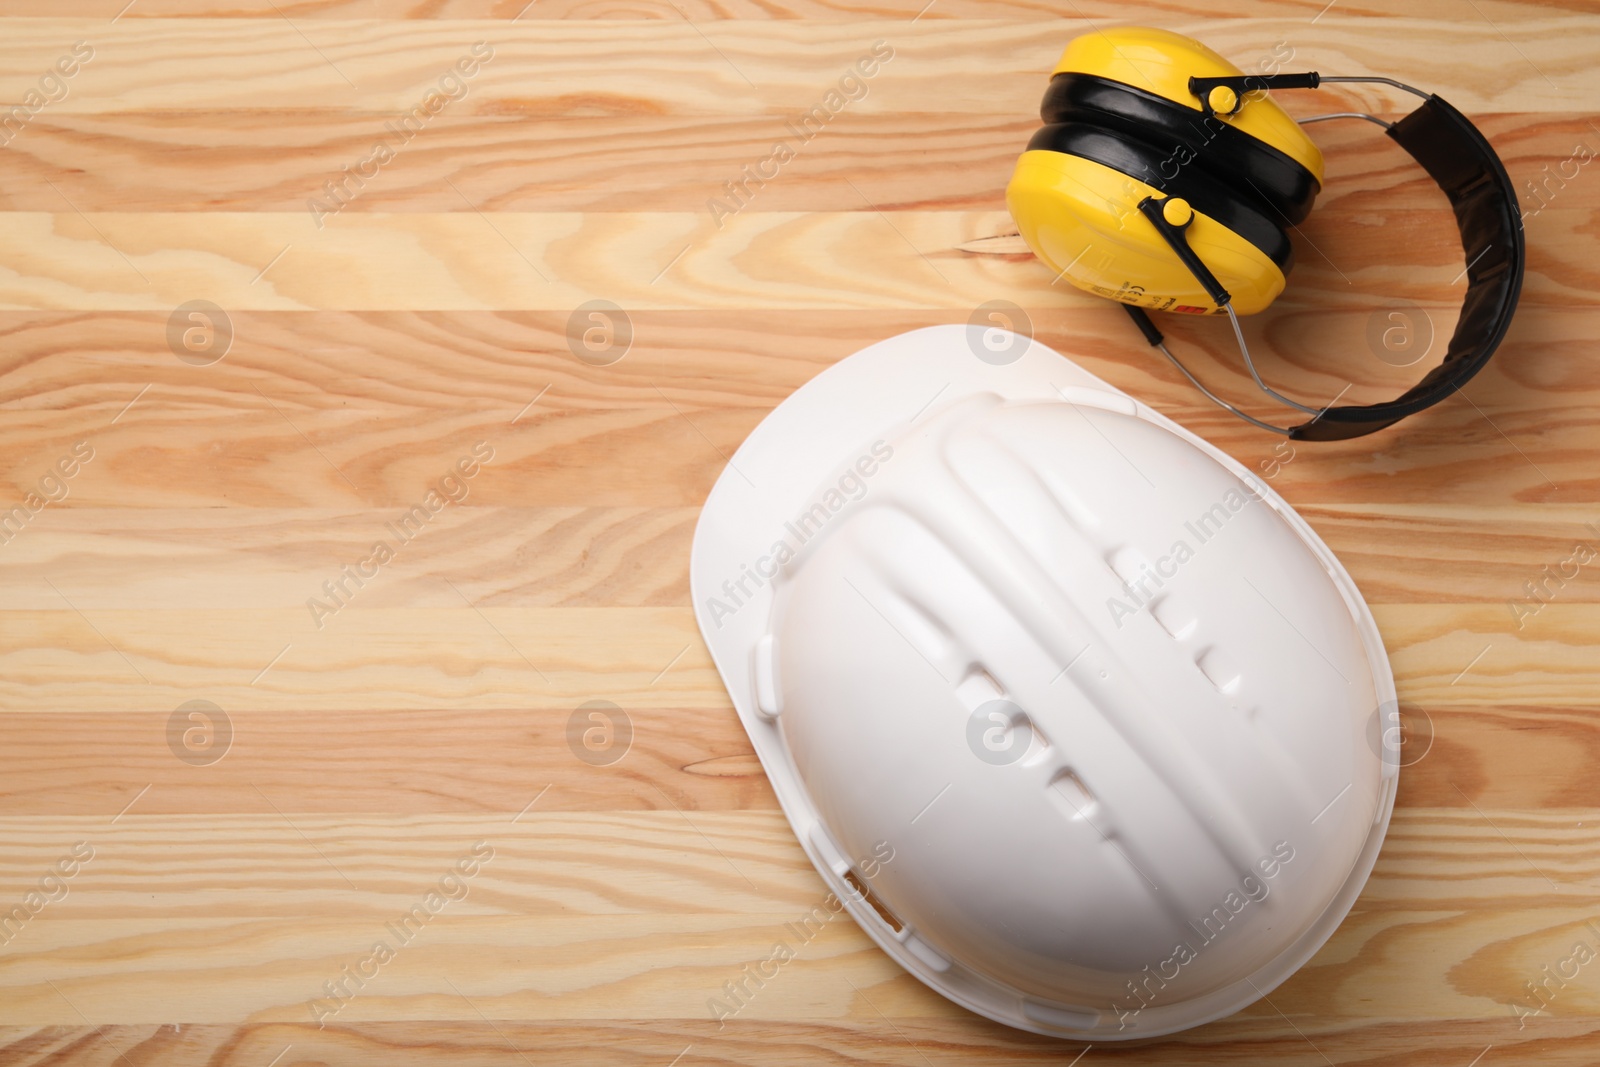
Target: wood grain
x,y
278,159
336,761
649,909
851,260
372,747
744,66
748,10
304,412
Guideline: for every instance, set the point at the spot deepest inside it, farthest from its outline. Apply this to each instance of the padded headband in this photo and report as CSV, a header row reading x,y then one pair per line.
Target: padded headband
x,y
1463,163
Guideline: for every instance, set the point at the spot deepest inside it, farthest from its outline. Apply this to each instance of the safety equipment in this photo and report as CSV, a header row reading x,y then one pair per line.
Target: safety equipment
x,y
1082,723
1166,178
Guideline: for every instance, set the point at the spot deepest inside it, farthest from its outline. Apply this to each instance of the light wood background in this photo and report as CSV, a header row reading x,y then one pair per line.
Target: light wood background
x,y
369,755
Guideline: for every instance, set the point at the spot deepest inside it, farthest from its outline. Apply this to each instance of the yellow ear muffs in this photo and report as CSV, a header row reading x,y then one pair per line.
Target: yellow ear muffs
x,y
1165,177
1123,126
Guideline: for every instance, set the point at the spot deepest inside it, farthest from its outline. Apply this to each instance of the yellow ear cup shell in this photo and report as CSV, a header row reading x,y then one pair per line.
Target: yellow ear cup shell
x,y
1161,62
1083,221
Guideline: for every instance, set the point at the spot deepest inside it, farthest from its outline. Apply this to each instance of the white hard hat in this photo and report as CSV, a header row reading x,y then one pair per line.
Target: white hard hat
x,y
1083,723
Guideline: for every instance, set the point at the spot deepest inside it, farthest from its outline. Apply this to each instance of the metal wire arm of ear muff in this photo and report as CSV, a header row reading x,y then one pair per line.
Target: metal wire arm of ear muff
x,y
1361,114
1172,216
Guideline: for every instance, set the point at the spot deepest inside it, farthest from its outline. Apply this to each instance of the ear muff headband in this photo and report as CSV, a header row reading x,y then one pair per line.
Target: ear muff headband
x,y
1184,136
1464,165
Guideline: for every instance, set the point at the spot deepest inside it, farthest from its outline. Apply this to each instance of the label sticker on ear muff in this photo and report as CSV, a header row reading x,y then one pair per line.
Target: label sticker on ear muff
x,y
1128,293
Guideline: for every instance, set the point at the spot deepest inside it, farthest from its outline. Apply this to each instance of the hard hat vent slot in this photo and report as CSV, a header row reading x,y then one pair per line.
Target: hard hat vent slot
x,y
1034,741
1074,796
1219,667
1175,617
864,892
977,689
1129,564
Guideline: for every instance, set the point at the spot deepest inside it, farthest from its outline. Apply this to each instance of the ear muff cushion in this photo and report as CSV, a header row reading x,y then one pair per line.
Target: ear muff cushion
x,y
1133,157
1186,138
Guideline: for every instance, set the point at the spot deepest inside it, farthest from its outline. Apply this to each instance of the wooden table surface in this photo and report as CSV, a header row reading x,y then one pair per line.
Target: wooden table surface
x,y
240,744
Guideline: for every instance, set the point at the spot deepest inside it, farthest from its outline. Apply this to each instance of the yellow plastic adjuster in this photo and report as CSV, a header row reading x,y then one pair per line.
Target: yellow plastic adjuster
x,y
1223,100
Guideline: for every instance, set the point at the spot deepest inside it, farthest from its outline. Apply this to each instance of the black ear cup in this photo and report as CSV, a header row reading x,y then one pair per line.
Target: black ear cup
x,y
1186,140
1137,159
